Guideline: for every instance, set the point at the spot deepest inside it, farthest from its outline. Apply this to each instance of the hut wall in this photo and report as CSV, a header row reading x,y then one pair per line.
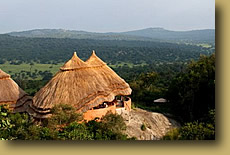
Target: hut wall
x,y
127,104
91,114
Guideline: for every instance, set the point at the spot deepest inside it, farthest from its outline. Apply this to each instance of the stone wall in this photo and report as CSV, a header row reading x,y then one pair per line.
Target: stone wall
x,y
91,114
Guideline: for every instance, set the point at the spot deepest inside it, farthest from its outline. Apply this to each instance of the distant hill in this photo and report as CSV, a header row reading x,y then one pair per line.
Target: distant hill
x,y
49,50
61,33
207,35
149,34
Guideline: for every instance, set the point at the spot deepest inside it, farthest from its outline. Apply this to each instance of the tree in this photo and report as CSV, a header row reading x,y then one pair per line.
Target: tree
x,y
62,115
192,92
147,87
196,130
5,123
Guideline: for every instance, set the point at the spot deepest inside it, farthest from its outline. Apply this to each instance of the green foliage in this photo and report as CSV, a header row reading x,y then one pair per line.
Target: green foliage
x,y
148,87
145,88
173,134
20,126
75,131
133,105
45,50
5,123
194,130
63,125
114,122
192,92
111,127
62,114
48,134
197,131
143,127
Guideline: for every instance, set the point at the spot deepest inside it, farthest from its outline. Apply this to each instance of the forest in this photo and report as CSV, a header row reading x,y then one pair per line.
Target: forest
x,y
181,73
52,50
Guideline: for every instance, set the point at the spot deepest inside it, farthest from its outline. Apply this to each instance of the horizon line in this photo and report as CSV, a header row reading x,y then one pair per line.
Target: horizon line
x,y
15,31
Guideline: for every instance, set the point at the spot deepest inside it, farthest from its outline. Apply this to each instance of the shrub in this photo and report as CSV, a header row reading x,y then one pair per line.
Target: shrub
x,y
173,134
5,123
111,127
192,92
192,131
63,125
62,114
197,131
143,127
133,105
75,131
114,122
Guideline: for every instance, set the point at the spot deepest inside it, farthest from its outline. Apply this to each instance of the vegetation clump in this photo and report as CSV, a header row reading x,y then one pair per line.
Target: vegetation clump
x,y
192,92
64,124
194,130
191,96
143,127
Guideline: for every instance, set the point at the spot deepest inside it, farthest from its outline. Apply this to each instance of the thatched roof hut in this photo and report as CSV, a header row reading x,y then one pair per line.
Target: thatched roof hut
x,y
81,84
11,94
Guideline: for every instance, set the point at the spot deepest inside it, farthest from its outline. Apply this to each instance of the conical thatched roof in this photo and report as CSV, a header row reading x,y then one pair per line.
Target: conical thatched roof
x,y
74,63
3,75
81,84
11,93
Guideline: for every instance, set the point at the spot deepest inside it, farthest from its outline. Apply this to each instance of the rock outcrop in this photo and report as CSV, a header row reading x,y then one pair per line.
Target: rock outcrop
x,y
146,125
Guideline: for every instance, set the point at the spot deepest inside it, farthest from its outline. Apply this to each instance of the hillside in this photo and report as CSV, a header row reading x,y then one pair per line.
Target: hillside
x,y
148,34
56,50
61,33
206,35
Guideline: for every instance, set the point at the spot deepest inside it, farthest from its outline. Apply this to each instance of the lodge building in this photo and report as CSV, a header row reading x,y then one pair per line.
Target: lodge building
x,y
91,86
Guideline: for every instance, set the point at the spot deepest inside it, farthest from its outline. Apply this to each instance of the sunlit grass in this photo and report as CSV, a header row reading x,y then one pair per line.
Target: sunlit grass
x,y
9,68
53,68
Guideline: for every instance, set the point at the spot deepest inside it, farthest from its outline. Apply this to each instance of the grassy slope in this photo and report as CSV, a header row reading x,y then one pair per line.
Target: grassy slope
x,y
26,67
13,69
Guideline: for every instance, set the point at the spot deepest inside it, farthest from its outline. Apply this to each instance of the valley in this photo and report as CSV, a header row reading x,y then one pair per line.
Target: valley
x,y
156,63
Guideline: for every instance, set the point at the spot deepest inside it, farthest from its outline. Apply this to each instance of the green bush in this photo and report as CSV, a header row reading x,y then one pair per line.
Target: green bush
x,y
173,134
5,123
143,127
195,130
75,131
62,114
192,131
192,92
63,125
114,122
111,127
133,105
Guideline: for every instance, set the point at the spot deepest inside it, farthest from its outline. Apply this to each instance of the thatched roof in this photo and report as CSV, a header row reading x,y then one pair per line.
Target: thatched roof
x,y
74,63
3,75
81,84
11,93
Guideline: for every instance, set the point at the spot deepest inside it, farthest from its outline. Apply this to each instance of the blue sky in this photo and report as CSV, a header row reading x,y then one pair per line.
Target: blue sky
x,y
106,15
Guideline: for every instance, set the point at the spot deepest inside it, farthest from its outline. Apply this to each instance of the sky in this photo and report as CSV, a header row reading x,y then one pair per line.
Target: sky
x,y
106,15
